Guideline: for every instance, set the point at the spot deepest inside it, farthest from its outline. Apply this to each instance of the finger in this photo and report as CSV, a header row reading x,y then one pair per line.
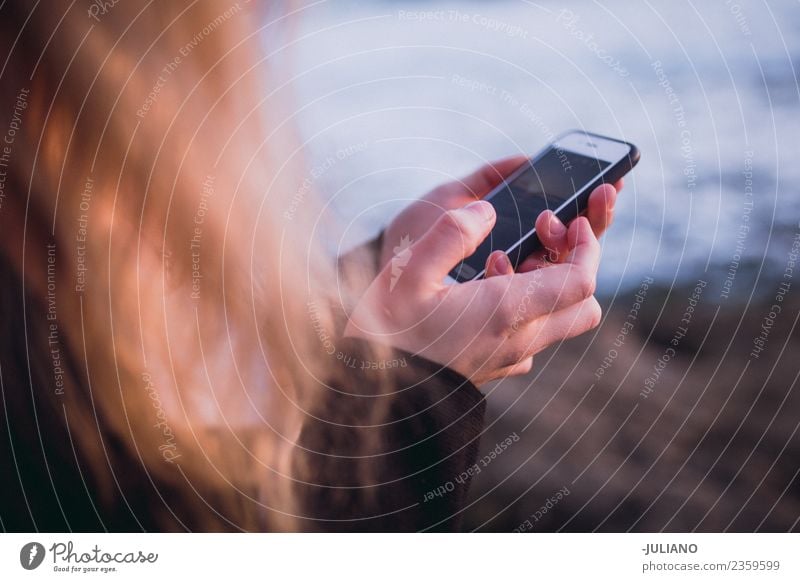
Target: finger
x,y
454,236
583,245
558,327
568,323
498,264
483,180
619,184
601,207
518,369
553,235
543,291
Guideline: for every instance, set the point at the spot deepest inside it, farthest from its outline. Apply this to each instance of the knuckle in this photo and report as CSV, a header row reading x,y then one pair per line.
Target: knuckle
x,y
586,283
513,355
454,225
595,313
503,321
449,222
451,229
509,316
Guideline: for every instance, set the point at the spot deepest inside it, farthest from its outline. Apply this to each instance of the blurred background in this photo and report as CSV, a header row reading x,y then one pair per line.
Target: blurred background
x,y
681,411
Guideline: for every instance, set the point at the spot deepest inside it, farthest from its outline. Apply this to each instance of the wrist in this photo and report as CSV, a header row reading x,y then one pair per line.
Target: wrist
x,y
411,346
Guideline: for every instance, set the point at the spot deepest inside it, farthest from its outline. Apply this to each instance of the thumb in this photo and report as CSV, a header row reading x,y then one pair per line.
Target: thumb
x,y
453,237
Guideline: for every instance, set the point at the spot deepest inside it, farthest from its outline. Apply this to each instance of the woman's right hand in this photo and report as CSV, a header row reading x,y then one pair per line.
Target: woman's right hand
x,y
484,329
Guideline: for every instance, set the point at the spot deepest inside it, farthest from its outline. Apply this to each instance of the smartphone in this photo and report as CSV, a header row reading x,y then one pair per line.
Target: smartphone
x,y
559,178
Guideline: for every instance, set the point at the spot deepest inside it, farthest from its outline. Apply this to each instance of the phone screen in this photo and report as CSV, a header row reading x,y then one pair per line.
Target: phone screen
x,y
547,183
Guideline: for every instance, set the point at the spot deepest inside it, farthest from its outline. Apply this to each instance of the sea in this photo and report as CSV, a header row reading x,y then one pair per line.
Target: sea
x,y
392,98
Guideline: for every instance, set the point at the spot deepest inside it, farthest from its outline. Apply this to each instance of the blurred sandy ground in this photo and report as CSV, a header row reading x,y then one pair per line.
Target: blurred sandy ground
x,y
713,447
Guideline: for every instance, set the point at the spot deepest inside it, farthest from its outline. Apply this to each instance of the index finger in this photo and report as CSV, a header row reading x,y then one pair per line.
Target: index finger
x,y
584,248
484,179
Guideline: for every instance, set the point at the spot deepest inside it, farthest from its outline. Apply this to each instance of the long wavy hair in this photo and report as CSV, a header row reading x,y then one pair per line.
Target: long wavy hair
x,y
166,290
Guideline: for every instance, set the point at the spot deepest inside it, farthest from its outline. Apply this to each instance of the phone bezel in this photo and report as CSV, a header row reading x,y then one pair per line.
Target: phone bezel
x,y
622,156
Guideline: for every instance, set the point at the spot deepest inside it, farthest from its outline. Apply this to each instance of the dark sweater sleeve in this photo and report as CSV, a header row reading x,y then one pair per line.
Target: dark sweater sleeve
x,y
400,461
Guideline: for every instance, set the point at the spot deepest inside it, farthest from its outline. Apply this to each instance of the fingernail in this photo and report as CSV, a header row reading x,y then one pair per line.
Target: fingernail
x,y
502,265
484,209
557,227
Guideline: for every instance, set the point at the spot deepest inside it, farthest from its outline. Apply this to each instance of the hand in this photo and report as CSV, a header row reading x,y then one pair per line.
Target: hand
x,y
415,220
484,329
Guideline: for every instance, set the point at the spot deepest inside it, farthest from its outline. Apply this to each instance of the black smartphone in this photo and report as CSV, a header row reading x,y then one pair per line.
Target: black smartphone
x,y
559,178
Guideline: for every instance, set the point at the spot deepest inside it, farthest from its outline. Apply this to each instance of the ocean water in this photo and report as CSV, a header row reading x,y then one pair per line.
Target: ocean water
x,y
393,98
